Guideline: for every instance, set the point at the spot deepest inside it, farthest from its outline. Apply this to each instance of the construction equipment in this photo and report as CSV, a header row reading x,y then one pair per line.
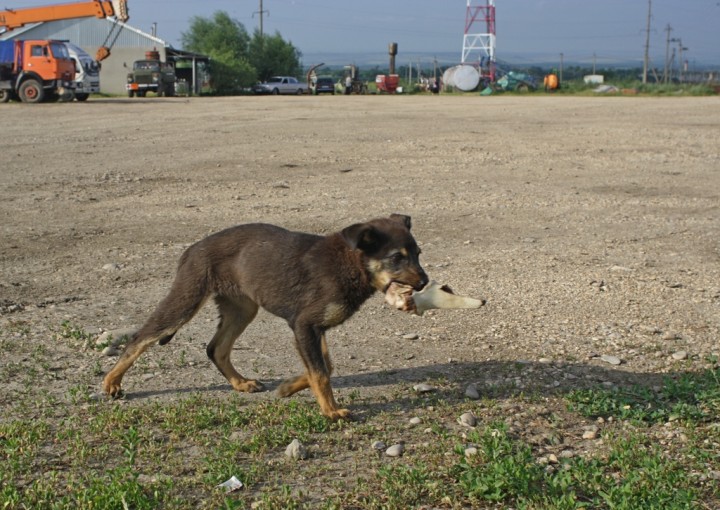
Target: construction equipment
x,y
16,18
33,71
352,82
151,75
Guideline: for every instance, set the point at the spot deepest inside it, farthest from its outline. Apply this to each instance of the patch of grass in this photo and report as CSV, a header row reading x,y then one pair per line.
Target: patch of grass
x,y
691,398
70,331
173,454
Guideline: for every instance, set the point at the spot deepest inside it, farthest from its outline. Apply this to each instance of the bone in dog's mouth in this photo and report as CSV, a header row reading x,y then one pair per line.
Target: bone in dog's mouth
x,y
432,296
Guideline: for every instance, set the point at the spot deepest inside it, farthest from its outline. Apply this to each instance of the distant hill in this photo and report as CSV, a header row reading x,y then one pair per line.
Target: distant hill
x,y
447,59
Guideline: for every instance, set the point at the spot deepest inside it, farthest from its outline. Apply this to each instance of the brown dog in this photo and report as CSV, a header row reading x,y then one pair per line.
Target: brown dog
x,y
313,282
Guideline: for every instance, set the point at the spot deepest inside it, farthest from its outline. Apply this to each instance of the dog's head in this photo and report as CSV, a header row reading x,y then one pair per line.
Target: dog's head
x,y
390,251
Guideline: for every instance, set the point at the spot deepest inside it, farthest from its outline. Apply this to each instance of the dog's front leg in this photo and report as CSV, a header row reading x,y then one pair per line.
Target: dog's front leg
x,y
311,345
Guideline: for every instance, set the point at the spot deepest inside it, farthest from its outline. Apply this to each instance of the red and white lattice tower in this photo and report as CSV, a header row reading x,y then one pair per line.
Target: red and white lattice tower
x,y
479,47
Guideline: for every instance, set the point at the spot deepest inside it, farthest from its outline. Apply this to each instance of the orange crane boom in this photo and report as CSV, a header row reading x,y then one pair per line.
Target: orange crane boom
x,y
16,18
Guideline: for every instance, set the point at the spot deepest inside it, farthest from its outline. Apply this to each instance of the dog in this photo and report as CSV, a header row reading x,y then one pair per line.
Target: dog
x,y
313,282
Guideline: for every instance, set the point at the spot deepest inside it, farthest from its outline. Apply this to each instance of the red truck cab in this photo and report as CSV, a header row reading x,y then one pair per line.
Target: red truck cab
x,y
35,70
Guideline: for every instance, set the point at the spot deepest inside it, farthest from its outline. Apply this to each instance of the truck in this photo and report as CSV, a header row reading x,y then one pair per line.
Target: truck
x,y
151,75
281,85
87,72
35,70
33,78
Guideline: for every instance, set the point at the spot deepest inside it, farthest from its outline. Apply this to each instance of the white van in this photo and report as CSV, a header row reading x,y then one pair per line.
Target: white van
x,y
87,75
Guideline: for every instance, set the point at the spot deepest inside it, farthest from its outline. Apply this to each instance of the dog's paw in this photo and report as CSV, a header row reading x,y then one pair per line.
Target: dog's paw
x,y
339,414
292,386
112,389
248,386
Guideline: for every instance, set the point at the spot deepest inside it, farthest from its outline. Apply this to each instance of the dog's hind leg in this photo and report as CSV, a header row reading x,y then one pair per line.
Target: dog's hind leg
x,y
183,301
301,382
235,315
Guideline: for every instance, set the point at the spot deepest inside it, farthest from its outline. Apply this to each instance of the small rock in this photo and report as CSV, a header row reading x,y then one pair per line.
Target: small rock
x,y
395,450
296,450
552,458
111,351
613,360
467,420
470,451
680,355
472,392
415,421
424,388
379,445
567,454
116,337
591,433
411,336
111,266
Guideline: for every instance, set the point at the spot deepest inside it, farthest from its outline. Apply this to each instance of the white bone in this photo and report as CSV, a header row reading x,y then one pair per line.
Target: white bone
x,y
434,296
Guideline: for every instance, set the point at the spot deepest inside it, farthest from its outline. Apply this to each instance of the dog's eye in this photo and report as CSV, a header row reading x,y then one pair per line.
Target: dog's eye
x,y
396,258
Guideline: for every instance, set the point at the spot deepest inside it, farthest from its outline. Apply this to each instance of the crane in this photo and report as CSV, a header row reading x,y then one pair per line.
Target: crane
x,y
16,18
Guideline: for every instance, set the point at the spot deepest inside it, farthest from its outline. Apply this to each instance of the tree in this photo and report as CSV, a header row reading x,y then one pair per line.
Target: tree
x,y
272,55
226,42
237,61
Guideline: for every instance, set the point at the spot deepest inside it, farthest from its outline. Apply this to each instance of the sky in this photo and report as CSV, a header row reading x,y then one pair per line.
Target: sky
x,y
527,30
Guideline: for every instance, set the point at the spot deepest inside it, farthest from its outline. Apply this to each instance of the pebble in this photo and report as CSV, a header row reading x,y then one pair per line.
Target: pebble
x,y
424,388
111,351
415,421
472,392
379,445
115,337
411,336
470,451
613,360
567,454
111,266
395,450
467,420
591,432
680,355
296,450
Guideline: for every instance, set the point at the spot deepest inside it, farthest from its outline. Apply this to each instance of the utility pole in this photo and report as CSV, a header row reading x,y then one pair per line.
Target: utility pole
x,y
666,73
646,59
681,62
560,78
261,12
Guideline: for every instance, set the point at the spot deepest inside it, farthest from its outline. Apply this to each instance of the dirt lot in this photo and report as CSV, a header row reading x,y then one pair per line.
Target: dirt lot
x,y
590,224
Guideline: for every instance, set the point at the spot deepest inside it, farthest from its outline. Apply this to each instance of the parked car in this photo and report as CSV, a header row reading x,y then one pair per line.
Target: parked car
x,y
280,85
324,85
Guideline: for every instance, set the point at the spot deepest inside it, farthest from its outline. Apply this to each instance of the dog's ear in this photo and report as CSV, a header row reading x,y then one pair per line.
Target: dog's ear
x,y
405,220
362,236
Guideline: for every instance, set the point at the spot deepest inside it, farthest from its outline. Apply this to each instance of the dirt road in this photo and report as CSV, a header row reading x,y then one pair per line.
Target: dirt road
x,y
591,226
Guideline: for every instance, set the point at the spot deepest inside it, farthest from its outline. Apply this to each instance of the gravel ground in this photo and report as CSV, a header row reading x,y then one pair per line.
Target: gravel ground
x,y
590,225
